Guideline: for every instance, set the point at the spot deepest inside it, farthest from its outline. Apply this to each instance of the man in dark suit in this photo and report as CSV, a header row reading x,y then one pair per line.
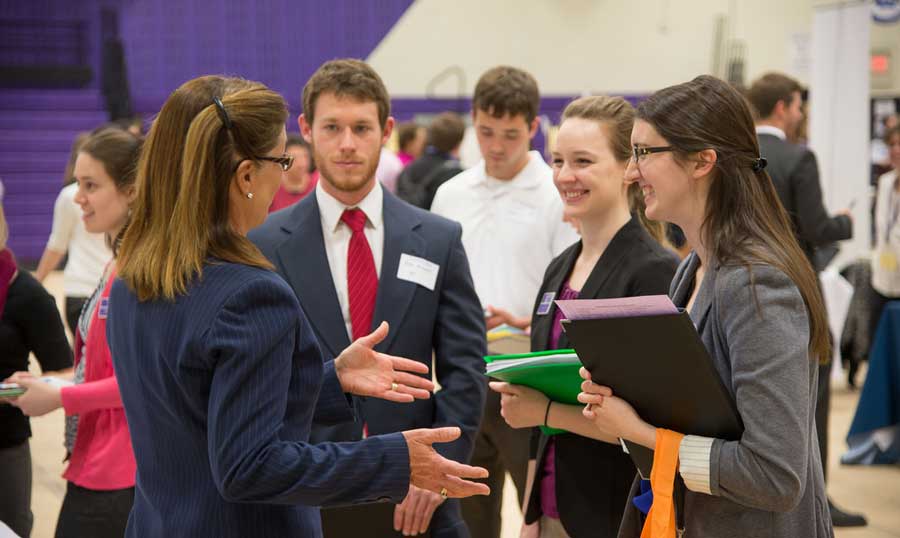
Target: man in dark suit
x,y
777,100
356,256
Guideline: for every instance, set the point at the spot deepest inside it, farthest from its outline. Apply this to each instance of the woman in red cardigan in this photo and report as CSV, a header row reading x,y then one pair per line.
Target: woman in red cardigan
x,y
101,470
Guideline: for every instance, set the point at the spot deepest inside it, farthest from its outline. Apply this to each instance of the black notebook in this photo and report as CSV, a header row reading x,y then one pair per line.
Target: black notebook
x,y
373,519
660,366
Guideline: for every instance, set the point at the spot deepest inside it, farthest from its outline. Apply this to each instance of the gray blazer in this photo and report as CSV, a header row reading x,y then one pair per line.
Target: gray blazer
x,y
769,483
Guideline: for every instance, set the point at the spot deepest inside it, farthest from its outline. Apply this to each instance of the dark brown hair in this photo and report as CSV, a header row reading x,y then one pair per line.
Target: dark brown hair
x,y
768,90
446,131
616,115
506,90
293,139
406,133
181,216
745,222
346,78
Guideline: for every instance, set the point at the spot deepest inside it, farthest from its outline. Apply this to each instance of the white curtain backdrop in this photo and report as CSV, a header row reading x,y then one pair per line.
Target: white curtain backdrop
x,y
839,112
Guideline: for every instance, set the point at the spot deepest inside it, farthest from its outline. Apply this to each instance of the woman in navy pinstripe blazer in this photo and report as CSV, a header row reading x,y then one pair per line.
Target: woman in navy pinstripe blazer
x,y
220,373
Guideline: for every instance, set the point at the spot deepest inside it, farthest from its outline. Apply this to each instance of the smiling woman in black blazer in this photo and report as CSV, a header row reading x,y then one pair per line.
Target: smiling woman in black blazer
x,y
579,482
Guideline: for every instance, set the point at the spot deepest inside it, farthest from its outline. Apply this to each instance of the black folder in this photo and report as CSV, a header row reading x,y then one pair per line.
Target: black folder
x,y
373,519
660,366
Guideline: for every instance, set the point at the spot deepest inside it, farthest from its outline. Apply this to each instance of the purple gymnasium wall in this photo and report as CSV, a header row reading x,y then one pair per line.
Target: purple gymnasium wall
x,y
166,42
278,42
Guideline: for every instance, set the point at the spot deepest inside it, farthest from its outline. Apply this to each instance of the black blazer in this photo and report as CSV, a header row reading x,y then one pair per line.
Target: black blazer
x,y
592,477
795,174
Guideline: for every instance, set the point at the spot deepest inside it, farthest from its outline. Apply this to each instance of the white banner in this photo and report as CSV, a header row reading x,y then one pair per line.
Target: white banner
x,y
839,114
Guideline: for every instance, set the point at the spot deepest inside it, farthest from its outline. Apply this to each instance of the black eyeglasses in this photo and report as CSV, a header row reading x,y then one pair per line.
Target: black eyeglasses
x,y
285,161
637,151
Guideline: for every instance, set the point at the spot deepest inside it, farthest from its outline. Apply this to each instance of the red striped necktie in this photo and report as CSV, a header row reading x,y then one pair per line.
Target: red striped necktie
x,y
362,280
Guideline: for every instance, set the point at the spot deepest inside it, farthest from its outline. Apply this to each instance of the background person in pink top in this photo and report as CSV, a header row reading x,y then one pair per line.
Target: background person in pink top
x,y
101,471
300,180
410,141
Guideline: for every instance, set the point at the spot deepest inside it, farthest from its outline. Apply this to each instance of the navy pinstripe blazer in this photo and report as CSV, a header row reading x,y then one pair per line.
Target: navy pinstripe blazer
x,y
220,389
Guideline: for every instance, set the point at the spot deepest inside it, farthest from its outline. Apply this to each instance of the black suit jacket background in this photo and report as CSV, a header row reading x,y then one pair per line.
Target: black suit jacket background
x,y
795,174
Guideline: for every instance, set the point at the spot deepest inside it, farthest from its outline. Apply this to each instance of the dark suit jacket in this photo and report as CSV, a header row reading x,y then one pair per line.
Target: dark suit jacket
x,y
593,477
794,172
447,323
220,389
419,181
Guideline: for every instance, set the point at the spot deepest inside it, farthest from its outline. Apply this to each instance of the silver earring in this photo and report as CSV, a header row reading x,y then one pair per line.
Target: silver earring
x,y
250,195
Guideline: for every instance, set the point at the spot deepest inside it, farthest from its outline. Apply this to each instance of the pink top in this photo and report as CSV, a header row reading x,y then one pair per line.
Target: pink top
x,y
405,158
548,475
102,458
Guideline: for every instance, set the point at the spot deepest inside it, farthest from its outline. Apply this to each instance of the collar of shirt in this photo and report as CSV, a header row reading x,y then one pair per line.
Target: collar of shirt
x,y
528,178
331,209
771,130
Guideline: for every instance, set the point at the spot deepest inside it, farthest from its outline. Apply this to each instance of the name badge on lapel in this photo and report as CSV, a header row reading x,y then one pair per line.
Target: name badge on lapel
x,y
418,271
103,309
546,303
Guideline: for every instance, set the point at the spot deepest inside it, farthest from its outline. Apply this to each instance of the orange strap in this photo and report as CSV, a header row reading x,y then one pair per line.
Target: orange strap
x,y
660,521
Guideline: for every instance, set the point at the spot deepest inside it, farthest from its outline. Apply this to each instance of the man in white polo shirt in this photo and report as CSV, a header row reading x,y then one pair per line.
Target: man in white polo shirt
x,y
511,216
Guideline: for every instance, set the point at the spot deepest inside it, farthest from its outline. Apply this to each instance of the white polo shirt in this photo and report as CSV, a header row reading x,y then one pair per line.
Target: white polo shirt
x,y
511,230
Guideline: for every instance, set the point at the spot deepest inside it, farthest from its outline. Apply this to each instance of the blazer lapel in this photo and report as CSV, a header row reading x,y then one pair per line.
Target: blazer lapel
x,y
305,267
394,295
543,324
703,302
684,288
612,257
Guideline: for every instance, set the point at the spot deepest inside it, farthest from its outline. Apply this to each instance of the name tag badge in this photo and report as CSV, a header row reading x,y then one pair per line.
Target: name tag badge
x,y
546,303
888,261
103,309
418,271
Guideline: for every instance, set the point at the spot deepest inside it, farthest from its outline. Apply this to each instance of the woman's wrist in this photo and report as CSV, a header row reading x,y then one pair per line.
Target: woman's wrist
x,y
644,435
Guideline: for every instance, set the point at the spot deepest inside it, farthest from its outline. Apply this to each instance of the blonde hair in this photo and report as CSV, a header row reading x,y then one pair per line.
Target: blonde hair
x,y
4,230
181,215
617,116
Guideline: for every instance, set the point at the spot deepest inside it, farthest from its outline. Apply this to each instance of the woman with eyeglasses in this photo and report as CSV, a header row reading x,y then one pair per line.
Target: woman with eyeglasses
x,y
101,471
754,300
220,371
619,255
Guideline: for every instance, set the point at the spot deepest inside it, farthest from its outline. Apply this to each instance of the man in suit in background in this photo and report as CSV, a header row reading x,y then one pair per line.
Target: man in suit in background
x,y
777,100
356,255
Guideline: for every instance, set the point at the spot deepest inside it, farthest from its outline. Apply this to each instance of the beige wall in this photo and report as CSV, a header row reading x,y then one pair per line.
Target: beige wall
x,y
577,46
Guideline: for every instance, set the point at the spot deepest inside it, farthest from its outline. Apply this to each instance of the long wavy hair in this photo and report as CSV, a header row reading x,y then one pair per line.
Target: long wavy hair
x,y
745,222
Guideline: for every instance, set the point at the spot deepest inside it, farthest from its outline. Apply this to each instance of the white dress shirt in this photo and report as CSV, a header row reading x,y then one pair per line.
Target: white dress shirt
x,y
336,236
771,130
88,253
511,230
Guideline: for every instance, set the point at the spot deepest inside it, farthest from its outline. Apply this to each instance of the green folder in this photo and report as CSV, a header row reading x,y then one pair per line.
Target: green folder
x,y
560,382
